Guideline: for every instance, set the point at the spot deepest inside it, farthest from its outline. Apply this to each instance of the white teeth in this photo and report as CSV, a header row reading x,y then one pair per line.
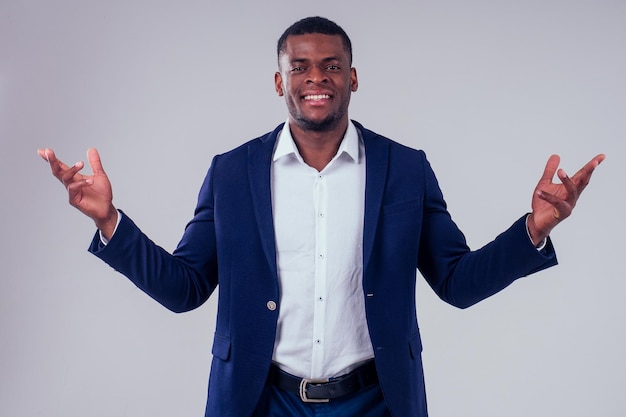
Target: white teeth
x,y
317,97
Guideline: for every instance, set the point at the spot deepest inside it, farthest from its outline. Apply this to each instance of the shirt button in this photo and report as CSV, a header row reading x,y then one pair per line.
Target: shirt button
x,y
271,305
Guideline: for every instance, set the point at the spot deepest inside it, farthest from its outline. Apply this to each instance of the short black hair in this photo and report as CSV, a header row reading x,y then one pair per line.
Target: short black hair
x,y
315,24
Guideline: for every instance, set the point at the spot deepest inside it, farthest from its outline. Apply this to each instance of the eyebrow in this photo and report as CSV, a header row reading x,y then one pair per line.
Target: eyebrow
x,y
327,59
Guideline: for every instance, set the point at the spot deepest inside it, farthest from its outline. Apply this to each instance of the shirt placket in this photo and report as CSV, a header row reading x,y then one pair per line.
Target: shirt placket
x,y
321,255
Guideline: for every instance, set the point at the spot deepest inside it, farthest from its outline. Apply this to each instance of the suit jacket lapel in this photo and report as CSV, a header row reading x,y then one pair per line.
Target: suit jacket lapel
x,y
376,154
259,169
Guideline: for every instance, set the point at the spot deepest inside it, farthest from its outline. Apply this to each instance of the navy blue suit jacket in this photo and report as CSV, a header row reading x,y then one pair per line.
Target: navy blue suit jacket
x,y
230,241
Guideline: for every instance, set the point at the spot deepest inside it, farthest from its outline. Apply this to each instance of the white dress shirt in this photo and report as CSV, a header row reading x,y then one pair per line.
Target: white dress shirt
x,y
318,220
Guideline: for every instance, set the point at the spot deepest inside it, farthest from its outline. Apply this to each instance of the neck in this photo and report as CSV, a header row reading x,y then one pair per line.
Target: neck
x,y
318,148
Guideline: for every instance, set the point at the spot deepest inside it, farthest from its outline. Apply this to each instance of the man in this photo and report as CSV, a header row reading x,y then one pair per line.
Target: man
x,y
314,233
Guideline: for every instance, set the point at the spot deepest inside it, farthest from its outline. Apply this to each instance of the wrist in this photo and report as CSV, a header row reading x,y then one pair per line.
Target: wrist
x,y
108,224
537,237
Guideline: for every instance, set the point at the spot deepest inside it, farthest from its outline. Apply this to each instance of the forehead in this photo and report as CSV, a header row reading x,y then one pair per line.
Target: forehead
x,y
314,46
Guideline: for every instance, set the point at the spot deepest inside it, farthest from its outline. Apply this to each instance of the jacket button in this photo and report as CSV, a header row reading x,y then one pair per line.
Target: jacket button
x,y
271,305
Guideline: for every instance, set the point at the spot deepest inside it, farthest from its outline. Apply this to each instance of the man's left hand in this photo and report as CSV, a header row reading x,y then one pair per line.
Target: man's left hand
x,y
552,203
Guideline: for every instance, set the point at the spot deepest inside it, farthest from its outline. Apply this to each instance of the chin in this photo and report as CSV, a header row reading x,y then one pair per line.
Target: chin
x,y
323,125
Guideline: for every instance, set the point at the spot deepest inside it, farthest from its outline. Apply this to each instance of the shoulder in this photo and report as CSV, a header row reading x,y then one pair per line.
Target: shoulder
x,y
255,154
266,140
375,142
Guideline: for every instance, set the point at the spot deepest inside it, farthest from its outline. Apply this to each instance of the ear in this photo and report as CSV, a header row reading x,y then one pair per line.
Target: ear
x,y
278,84
354,81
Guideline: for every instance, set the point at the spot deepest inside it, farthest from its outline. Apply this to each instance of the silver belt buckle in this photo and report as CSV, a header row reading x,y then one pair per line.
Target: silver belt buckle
x,y
303,385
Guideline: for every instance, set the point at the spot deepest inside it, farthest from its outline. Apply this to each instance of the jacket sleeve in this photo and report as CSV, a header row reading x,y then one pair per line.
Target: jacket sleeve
x,y
463,277
180,281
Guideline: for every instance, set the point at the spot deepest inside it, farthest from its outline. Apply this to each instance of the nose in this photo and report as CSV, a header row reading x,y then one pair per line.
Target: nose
x,y
317,74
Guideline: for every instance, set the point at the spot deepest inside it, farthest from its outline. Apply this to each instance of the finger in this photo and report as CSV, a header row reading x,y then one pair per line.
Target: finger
x,y
74,191
584,174
42,153
94,161
72,175
57,167
49,155
597,160
550,169
573,190
562,208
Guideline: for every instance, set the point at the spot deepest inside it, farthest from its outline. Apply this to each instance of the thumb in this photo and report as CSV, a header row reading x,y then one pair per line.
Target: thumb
x,y
94,161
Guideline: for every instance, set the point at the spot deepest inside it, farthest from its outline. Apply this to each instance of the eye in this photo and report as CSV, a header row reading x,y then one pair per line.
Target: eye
x,y
332,67
297,69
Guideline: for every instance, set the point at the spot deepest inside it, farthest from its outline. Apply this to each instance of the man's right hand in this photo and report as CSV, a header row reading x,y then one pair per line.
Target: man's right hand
x,y
91,194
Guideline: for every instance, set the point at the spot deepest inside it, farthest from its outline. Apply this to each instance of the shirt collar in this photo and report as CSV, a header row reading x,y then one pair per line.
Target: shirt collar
x,y
286,146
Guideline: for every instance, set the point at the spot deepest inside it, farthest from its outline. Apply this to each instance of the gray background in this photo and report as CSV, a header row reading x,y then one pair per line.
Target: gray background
x,y
489,89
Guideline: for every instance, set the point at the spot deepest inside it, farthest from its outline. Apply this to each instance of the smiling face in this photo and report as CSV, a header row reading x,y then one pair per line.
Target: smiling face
x,y
316,79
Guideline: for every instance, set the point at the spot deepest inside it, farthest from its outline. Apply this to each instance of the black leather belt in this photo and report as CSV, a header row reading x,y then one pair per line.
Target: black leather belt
x,y
311,390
